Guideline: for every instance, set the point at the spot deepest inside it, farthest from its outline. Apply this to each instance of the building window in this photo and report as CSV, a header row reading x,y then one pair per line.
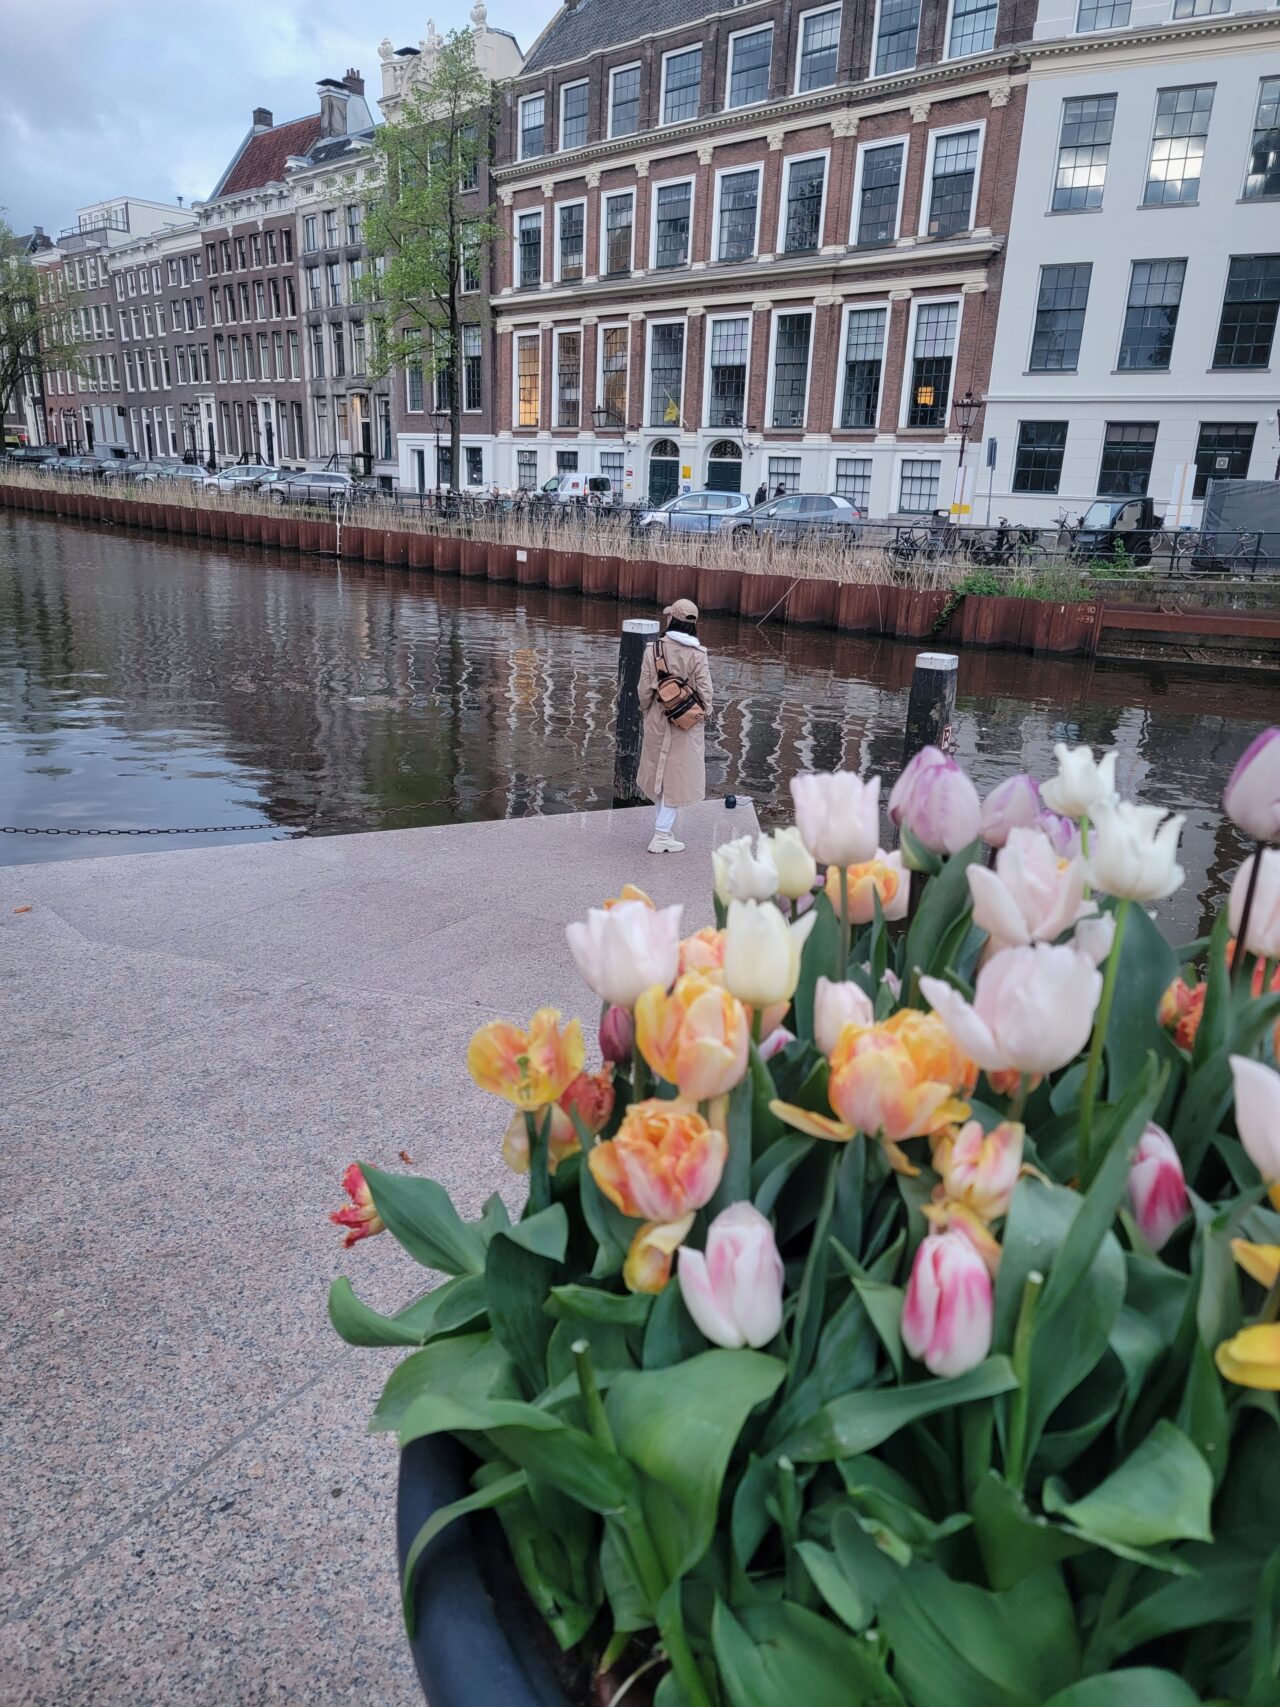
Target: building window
x,y
1151,316
1200,8
931,360
918,492
442,363
863,360
1060,311
728,389
1084,147
475,465
260,299
573,114
1263,177
681,85
853,480
1127,452
611,466
533,127
673,205
472,387
624,101
784,473
1223,450
295,357
529,234
333,281
1037,461
526,470
614,342
973,27
357,350
331,235
571,229
897,29
739,202
413,388
1248,324
1177,147
619,216
803,229
1103,15
529,378
566,462
955,163
878,194
819,49
666,373
750,55
791,369
568,379
339,351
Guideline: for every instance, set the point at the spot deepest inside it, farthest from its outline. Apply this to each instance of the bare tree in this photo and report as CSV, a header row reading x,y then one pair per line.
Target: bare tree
x,y
36,322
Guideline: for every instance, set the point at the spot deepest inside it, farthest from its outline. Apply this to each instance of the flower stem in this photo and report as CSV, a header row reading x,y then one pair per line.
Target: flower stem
x,y
639,1075
757,1021
846,929
1093,1071
1015,1468
1271,1305
1237,959
538,1126
592,1403
1018,1101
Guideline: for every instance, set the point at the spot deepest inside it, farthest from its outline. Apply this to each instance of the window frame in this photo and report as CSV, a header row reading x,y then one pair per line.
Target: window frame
x,y
521,214
915,454
1038,491
722,172
1035,313
677,53
463,358
1244,367
1128,307
811,314
656,185
614,326
521,103
1152,139
898,70
1095,29
864,148
859,305
731,47
577,83
565,332
1265,196
1099,492
606,196
1108,95
715,317
615,72
926,186
1251,427
955,298
789,163
949,58
525,335
666,428
558,208
802,20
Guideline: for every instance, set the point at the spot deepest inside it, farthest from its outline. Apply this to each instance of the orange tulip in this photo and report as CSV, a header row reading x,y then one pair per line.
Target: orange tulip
x,y
591,1098
1180,1010
648,1264
663,1162
629,893
529,1069
884,876
899,1079
360,1218
935,1052
1006,1082
703,951
696,1038
980,1169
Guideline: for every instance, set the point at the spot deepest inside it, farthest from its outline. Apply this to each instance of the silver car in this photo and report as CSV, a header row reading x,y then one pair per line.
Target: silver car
x,y
240,477
800,515
324,487
696,512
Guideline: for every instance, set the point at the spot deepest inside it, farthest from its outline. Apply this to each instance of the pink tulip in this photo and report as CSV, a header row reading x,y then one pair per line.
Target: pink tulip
x,y
1032,1009
947,1315
1157,1187
734,1290
1258,1114
934,799
1252,797
1264,916
1030,896
623,949
617,1036
838,816
1013,805
1063,834
980,1169
776,1042
836,1006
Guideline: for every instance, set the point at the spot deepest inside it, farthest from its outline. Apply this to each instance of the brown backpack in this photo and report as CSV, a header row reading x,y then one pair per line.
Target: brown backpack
x,y
681,705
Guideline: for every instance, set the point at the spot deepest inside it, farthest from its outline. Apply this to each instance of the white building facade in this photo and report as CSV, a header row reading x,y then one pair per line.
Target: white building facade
x,y
1137,332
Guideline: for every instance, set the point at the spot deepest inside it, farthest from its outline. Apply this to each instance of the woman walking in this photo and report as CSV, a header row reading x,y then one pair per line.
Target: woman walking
x,y
675,695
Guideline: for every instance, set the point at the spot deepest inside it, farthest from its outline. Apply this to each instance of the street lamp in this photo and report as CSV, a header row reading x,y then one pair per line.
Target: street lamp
x,y
606,420
965,410
439,417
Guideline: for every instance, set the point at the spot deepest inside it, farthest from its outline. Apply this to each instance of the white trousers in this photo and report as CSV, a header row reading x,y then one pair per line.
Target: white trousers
x,y
664,818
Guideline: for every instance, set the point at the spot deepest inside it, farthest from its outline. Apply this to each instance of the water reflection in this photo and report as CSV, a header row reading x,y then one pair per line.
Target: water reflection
x,y
152,684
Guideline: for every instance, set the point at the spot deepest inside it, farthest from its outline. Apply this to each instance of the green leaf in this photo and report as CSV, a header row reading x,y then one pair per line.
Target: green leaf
x,y
776,1167
591,1304
466,1366
860,1421
1161,1493
819,959
517,1283
678,1426
1014,1544
945,900
1203,1415
545,1234
550,1541
1221,1591
420,1216
853,1575
608,1226
441,1310
777,1652
484,1499
735,1181
671,1336
1147,968
1140,1687
1213,1032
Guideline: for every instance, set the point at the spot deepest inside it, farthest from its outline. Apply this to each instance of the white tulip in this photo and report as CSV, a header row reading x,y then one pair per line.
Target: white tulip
x,y
762,953
741,875
622,950
1031,896
834,1007
838,816
797,868
1080,785
1133,850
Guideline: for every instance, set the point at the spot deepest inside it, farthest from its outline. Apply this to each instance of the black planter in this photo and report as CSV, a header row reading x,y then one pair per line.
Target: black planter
x,y
473,1641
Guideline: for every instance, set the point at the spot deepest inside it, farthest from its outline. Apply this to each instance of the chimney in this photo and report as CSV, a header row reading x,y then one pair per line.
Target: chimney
x,y
262,119
354,81
333,107
37,231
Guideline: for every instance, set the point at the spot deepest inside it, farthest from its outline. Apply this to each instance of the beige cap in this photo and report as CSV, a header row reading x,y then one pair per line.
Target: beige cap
x,y
683,610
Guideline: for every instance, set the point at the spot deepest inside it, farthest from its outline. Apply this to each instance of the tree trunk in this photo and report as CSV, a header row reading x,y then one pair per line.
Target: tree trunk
x,y
455,398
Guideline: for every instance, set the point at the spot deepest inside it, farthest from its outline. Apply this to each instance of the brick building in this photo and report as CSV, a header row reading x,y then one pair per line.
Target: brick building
x,y
755,243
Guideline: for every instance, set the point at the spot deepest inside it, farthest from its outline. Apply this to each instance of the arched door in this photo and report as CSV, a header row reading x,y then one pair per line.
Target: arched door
x,y
724,467
664,471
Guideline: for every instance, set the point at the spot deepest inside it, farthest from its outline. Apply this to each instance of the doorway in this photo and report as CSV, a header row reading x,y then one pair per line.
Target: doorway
x,y
664,471
724,467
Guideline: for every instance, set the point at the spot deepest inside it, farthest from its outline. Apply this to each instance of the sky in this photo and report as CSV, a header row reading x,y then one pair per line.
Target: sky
x,y
151,99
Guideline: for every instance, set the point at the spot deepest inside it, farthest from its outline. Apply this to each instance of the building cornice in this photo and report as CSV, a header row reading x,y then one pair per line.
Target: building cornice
x,y
1114,47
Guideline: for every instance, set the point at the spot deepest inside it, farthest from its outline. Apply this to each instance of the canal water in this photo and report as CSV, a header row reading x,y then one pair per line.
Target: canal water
x,y
153,685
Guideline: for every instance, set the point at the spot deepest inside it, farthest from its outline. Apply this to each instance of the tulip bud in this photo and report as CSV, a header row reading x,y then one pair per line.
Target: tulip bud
x,y
1252,798
980,1169
734,1290
1157,1187
762,953
777,1040
1064,836
1095,937
741,875
1257,1090
663,1162
1133,851
360,1218
1259,1262
648,1264
836,1006
1032,1008
884,876
624,950
936,802
703,951
591,1098
1013,805
1252,1358
948,1312
617,1036
1080,785
1263,937
796,867
838,816
1180,1011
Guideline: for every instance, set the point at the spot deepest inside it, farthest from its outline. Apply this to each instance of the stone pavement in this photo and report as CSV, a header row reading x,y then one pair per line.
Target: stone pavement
x,y
194,1046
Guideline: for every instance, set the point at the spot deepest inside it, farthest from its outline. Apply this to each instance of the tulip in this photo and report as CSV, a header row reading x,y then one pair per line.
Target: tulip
x,y
1263,935
1064,836
529,1069
697,1038
1081,786
1133,853
1157,1187
1257,1089
733,1290
648,1264
629,893
900,1079
838,816
620,952
1252,798
762,953
936,802
1032,1009
360,1218
796,867
836,1006
1013,805
980,1169
1259,1262
663,1161
617,1035
944,1215
1252,1358
883,876
590,1097
741,875
1095,936
948,1311
562,1140
775,1042
703,951
1031,896
1180,1011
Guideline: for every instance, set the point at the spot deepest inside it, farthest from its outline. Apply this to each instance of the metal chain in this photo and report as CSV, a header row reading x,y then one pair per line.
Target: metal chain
x,y
201,830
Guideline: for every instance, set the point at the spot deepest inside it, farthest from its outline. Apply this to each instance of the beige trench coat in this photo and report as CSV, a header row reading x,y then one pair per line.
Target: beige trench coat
x,y
672,764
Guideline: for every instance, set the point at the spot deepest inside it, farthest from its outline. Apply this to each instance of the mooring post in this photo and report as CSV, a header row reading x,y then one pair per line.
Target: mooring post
x,y
931,707
637,632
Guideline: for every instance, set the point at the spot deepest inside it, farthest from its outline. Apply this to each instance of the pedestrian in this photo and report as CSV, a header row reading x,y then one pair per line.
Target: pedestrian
x,y
762,492
780,491
675,696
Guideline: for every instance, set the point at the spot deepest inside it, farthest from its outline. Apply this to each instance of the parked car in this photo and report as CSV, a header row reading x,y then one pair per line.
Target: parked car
x,y
32,456
240,477
326,486
84,467
191,472
800,515
1111,527
579,488
696,512
163,468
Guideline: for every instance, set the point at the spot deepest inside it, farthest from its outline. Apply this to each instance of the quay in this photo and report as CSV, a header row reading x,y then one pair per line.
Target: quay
x,y
196,1046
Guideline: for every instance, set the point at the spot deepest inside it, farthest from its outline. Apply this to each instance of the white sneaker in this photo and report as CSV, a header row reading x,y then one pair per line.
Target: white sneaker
x,y
663,842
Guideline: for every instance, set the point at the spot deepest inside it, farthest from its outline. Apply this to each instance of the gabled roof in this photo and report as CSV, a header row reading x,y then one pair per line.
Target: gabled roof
x,y
593,25
261,157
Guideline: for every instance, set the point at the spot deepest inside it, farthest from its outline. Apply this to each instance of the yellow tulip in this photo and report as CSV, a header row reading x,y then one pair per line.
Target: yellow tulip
x,y
1262,1262
1252,1358
696,1038
648,1264
528,1069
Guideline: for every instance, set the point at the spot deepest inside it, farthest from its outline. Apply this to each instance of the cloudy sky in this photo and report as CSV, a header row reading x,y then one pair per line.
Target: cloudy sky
x,y
149,98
